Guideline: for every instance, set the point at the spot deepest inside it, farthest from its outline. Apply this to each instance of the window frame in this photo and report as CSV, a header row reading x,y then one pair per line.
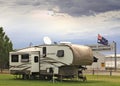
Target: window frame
x,y
60,53
36,59
13,59
44,50
23,58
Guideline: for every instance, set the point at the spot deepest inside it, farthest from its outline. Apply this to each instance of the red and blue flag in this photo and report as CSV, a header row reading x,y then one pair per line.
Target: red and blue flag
x,y
102,40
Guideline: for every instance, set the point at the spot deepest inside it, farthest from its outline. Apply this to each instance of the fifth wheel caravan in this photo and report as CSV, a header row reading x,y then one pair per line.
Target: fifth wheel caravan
x,y
44,61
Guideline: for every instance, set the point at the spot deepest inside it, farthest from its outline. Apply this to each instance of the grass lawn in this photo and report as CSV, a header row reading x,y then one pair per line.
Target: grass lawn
x,y
92,80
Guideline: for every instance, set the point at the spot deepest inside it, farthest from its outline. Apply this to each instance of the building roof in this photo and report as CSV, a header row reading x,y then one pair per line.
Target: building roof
x,y
113,55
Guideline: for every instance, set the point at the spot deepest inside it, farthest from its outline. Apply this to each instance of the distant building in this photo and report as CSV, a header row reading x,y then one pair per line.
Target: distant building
x,y
100,64
97,49
110,61
105,62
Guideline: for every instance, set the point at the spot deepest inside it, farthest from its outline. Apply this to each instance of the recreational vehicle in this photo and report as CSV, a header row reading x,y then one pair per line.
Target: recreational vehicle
x,y
46,61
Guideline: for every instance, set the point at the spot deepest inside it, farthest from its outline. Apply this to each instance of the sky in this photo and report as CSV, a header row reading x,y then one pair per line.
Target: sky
x,y
78,21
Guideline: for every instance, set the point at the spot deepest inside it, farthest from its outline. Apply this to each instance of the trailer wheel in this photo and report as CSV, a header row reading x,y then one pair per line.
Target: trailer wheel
x,y
32,77
42,77
25,76
49,77
60,78
84,78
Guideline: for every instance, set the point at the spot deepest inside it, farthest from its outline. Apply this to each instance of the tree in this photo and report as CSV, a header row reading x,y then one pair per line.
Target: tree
x,y
5,47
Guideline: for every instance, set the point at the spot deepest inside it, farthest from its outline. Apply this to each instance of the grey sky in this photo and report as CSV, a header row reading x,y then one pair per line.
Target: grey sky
x,y
71,7
78,21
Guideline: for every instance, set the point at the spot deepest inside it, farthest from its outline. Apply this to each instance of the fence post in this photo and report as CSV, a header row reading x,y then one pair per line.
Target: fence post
x,y
93,72
110,72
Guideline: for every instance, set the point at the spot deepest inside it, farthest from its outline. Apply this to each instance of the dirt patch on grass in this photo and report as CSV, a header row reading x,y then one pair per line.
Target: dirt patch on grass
x,y
5,71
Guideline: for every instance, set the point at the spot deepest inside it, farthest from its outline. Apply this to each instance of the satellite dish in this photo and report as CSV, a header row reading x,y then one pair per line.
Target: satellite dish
x,y
47,40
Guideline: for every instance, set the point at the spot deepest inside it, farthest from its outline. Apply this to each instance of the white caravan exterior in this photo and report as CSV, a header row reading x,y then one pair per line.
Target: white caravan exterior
x,y
61,59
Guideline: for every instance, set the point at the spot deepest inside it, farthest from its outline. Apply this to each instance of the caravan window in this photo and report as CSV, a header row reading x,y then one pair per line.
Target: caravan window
x,y
36,59
25,58
44,52
60,53
14,58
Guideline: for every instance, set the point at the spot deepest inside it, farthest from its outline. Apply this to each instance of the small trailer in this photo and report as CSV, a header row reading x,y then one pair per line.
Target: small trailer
x,y
49,61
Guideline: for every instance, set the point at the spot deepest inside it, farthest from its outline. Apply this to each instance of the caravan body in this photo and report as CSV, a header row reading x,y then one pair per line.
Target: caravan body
x,y
61,59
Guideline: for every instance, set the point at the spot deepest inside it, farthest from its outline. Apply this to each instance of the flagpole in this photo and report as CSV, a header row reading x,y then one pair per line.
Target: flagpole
x,y
99,37
115,56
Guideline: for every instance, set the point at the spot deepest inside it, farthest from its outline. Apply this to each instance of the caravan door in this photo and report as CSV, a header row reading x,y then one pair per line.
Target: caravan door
x,y
35,58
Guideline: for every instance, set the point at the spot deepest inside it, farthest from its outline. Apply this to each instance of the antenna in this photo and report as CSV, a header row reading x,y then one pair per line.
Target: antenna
x,y
47,40
30,45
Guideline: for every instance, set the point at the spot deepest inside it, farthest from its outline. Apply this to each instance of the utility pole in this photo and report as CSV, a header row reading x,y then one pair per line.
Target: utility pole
x,y
39,59
115,54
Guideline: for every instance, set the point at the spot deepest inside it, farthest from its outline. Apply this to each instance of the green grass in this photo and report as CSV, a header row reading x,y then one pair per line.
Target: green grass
x,y
96,80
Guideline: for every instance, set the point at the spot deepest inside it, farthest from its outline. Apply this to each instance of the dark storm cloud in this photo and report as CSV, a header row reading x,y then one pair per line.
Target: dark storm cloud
x,y
87,7
71,7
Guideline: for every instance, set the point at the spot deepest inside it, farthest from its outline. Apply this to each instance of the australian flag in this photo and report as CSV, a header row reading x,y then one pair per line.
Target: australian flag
x,y
102,40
